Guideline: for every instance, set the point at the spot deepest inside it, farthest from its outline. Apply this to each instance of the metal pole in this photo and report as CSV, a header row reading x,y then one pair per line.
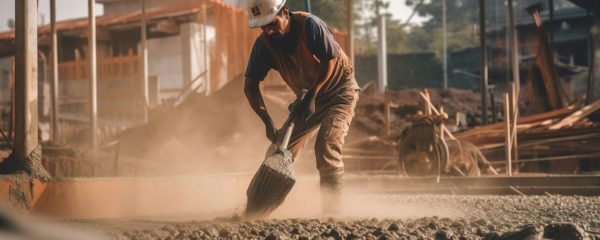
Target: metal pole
x,y
205,47
551,27
591,60
26,79
514,50
54,60
507,138
144,60
514,115
349,27
307,5
483,61
507,47
493,106
93,96
388,120
11,128
444,45
382,55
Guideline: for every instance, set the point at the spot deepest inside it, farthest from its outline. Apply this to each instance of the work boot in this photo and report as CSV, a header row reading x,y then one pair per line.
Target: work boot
x,y
331,192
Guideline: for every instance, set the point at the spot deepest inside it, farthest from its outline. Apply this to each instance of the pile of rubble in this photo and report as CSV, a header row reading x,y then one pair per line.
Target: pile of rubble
x,y
370,116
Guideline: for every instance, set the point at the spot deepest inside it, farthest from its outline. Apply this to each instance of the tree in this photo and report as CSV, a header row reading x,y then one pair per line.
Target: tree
x,y
402,37
461,15
366,28
333,12
10,23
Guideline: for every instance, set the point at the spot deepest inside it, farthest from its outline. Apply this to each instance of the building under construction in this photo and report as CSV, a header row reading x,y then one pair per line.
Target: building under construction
x,y
133,123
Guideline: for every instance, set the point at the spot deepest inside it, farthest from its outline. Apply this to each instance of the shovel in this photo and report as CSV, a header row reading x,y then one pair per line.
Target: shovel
x,y
275,177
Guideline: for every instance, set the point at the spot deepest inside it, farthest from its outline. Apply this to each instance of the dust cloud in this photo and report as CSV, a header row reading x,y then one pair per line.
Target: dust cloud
x,y
304,201
194,161
205,134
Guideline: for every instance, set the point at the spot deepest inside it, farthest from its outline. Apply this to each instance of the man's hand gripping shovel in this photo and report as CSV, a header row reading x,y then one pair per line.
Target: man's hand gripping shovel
x,y
275,177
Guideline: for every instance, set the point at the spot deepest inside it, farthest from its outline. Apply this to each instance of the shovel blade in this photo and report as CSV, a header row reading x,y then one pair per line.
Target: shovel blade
x,y
270,185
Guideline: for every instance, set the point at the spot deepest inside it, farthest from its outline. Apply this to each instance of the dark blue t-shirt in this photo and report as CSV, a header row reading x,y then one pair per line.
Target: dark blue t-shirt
x,y
319,40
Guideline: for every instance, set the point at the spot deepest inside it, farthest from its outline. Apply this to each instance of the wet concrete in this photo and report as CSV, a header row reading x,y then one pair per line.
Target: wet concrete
x,y
190,207
270,185
417,217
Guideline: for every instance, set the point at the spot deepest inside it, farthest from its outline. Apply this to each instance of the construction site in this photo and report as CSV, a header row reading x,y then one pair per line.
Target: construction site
x,y
144,119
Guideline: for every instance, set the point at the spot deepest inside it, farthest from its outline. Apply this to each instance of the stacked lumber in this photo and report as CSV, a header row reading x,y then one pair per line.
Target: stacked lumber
x,y
566,133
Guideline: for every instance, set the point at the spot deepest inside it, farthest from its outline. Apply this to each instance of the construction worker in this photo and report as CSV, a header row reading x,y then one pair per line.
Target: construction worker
x,y
300,46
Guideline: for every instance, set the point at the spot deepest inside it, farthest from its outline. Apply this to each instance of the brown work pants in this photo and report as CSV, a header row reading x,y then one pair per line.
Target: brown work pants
x,y
333,115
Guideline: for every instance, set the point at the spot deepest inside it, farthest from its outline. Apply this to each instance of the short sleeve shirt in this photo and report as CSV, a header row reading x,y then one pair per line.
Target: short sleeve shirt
x,y
319,40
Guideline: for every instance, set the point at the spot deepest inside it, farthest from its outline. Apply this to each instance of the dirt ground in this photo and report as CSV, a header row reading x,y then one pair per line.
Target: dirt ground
x,y
389,217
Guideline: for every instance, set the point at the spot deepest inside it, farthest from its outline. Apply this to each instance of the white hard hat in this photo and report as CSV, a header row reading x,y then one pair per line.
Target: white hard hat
x,y
262,12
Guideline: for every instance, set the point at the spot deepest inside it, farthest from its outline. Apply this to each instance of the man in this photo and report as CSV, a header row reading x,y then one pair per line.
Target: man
x,y
301,48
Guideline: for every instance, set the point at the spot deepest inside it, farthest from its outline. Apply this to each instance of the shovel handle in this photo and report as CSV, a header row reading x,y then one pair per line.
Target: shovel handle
x,y
290,120
288,134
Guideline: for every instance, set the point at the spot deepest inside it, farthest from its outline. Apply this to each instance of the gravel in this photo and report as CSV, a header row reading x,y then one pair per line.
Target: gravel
x,y
474,217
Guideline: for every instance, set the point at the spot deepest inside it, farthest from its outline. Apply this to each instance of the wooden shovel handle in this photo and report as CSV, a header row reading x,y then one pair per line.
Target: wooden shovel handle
x,y
290,121
288,134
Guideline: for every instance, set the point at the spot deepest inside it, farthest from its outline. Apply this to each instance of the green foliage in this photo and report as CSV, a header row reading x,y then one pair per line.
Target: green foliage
x,y
402,37
458,38
10,23
365,26
461,15
457,11
333,12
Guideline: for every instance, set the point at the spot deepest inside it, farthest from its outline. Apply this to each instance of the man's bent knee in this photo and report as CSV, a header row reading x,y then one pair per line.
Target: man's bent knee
x,y
328,146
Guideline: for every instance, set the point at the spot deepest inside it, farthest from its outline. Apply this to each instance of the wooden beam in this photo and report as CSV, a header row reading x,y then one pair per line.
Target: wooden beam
x,y
523,120
349,30
508,145
576,116
27,153
93,91
102,34
54,62
205,51
432,108
513,118
514,49
11,127
26,75
144,60
168,26
382,77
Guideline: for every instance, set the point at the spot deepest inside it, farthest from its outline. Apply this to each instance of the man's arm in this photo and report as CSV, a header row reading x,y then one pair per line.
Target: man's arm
x,y
254,96
323,46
